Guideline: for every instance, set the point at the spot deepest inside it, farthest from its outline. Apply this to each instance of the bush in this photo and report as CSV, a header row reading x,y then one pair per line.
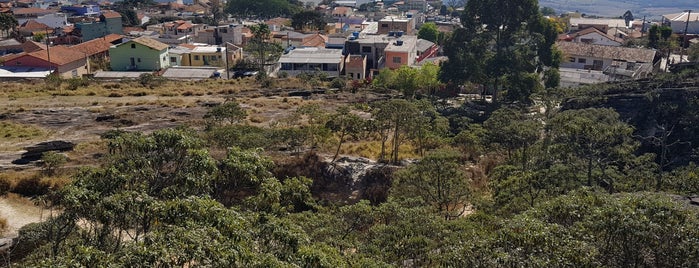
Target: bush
x,y
52,161
32,187
5,185
338,83
75,83
150,80
53,81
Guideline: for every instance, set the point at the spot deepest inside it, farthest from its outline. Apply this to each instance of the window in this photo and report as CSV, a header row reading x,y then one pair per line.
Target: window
x,y
384,25
571,59
139,59
133,45
74,73
586,40
351,75
597,65
164,58
366,49
173,59
581,60
396,59
196,57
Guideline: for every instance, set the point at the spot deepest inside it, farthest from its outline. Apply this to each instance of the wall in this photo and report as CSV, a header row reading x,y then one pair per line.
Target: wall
x,y
150,59
597,39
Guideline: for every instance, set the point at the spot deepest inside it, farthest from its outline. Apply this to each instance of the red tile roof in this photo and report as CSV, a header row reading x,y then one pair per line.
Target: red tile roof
x,y
110,38
33,25
111,14
92,47
31,46
31,10
60,55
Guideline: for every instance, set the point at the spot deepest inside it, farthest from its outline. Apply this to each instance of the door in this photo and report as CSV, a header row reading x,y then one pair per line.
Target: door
x,y
133,63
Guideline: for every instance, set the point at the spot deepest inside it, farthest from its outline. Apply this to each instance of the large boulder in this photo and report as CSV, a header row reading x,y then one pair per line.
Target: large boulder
x,y
35,152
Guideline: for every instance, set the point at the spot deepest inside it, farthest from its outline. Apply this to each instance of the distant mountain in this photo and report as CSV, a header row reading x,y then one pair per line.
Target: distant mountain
x,y
654,9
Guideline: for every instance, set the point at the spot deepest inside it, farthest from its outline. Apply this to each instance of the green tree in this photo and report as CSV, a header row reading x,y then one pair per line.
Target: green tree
x,y
345,123
261,48
230,112
514,132
394,119
499,38
596,136
438,180
428,31
308,20
693,53
52,161
8,23
262,8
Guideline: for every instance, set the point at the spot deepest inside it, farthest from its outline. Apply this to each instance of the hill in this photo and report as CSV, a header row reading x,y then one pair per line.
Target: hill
x,y
613,8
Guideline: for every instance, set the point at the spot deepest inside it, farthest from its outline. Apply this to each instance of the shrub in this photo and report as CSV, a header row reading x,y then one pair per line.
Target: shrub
x,y
52,161
150,80
5,185
31,187
76,82
338,83
53,81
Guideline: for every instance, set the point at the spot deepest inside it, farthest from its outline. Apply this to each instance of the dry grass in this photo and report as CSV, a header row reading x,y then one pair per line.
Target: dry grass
x,y
11,132
372,150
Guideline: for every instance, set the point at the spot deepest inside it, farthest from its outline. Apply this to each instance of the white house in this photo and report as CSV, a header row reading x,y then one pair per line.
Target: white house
x,y
678,22
312,59
614,61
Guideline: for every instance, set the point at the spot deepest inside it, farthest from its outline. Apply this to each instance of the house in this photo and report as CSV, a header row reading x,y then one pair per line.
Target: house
x,y
678,21
31,13
296,39
341,11
401,51
231,33
82,10
140,54
355,67
64,61
312,59
608,62
53,20
592,35
396,24
205,56
32,27
603,25
97,50
10,46
109,23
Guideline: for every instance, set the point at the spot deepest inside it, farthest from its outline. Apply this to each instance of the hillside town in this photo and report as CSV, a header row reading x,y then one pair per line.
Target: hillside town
x,y
349,39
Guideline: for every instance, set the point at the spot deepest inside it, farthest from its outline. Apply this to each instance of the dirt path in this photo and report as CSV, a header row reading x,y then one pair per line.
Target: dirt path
x,y
18,212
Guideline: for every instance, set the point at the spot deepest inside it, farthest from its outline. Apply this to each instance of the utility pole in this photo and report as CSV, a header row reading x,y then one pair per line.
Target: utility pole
x,y
228,69
643,26
684,38
48,52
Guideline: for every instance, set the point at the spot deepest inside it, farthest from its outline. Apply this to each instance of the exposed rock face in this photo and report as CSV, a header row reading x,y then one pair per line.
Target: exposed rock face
x,y
653,108
346,180
35,152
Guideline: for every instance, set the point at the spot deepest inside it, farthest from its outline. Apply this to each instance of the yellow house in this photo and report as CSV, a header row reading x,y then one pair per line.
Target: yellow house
x,y
205,56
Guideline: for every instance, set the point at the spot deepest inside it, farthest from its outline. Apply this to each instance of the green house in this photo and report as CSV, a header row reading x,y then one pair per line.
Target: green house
x,y
140,54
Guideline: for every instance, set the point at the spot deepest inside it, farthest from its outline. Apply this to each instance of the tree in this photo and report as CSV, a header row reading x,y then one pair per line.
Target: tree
x,y
51,161
216,13
628,17
499,38
438,180
547,11
596,136
394,119
260,47
443,10
513,131
428,31
344,123
263,8
693,53
230,112
8,23
308,20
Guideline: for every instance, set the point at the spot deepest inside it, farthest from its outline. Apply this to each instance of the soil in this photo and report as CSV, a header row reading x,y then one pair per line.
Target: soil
x,y
81,119
18,212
